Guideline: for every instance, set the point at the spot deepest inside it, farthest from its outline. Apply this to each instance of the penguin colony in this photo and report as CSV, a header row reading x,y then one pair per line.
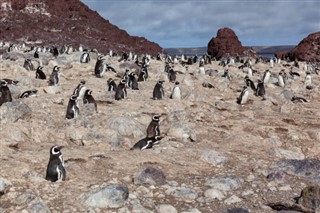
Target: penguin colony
x,y
133,80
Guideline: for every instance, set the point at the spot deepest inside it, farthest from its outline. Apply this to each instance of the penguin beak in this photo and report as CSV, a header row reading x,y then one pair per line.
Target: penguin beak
x,y
59,147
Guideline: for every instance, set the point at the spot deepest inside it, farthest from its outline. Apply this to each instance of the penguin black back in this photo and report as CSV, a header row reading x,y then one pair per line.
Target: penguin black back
x,y
5,93
55,168
133,83
100,67
112,86
172,75
154,128
28,65
29,93
146,143
260,89
158,91
55,76
121,91
72,108
40,74
88,98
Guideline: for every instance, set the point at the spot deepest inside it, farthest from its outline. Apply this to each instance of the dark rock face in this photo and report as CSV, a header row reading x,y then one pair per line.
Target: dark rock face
x,y
308,49
310,197
227,44
61,22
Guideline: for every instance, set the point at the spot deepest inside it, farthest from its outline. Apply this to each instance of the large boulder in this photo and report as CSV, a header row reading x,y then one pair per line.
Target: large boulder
x,y
227,44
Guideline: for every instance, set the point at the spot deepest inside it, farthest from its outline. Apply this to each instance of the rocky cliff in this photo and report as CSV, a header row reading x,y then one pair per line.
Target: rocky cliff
x,y
61,22
227,44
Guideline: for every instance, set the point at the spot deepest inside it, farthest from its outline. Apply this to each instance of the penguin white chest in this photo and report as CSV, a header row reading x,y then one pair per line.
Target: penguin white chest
x,y
280,81
176,93
202,71
245,97
307,80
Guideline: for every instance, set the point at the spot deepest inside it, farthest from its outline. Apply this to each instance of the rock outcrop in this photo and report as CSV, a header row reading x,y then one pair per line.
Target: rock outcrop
x,y
308,49
65,22
227,44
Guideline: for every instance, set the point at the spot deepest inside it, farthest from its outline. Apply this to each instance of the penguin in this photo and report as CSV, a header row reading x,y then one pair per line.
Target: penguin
x,y
158,91
55,76
266,76
10,81
121,91
110,53
260,89
249,83
100,67
36,54
243,98
28,65
40,74
29,93
146,143
250,72
85,57
72,108
124,57
88,99
112,86
153,127
80,48
80,90
172,75
305,66
271,63
308,79
226,75
55,52
69,49
296,99
55,168
293,74
133,83
143,75
281,78
201,67
176,92
5,93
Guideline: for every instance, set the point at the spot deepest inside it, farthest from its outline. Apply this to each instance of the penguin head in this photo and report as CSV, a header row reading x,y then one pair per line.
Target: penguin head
x,y
83,82
158,137
56,69
100,58
260,81
109,80
34,91
123,81
40,68
4,83
55,150
88,92
176,83
73,97
156,118
160,82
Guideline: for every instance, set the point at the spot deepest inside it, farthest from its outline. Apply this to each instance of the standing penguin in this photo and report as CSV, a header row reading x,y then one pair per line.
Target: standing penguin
x,y
243,98
271,63
88,99
133,83
146,143
158,91
112,86
40,74
172,75
80,90
249,83
226,74
100,67
260,91
121,91
85,57
176,92
201,67
55,76
281,78
154,128
5,93
55,52
308,79
72,108
55,168
143,75
266,76
36,53
28,65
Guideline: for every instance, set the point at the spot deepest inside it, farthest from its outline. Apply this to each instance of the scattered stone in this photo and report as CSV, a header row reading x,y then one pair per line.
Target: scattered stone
x,y
232,199
14,111
126,126
182,132
213,157
310,198
214,194
52,90
4,186
225,183
150,176
185,193
191,211
38,208
15,91
108,197
236,210
289,154
165,208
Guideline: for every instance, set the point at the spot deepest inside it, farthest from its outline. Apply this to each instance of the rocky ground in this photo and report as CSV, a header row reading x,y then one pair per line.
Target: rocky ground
x,y
216,155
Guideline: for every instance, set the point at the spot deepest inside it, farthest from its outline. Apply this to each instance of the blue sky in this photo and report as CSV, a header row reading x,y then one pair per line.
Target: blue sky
x,y
192,23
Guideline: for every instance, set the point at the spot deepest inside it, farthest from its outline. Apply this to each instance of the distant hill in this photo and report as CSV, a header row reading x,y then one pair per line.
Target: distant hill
x,y
203,50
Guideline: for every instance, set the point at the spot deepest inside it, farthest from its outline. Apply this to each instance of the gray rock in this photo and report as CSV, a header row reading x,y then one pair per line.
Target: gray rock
x,y
108,197
183,132
214,194
225,183
185,193
307,168
150,176
25,198
15,91
310,198
53,89
191,211
4,185
38,208
126,126
296,153
213,157
166,208
14,111
24,81
236,210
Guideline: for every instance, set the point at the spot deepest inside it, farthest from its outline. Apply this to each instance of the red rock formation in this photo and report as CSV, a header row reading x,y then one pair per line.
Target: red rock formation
x,y
227,44
308,49
58,22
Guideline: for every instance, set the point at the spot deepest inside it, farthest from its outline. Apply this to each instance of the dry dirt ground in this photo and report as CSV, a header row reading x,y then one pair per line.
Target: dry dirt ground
x,y
252,137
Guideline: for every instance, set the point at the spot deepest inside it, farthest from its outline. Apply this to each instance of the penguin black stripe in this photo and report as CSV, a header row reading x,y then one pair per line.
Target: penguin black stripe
x,y
55,168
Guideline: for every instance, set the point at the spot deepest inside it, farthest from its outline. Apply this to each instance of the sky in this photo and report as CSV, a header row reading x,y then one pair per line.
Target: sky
x,y
192,23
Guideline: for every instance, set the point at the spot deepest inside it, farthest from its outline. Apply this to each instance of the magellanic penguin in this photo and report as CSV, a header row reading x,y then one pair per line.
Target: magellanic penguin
x,y
266,76
72,108
121,91
112,86
55,51
100,67
308,79
271,63
80,90
201,67
133,83
243,98
143,75
36,53
146,143
88,99
158,91
28,65
10,81
226,74
55,76
40,74
282,78
55,168
176,92
5,93
172,76
154,127
29,93
260,91
85,57
249,83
